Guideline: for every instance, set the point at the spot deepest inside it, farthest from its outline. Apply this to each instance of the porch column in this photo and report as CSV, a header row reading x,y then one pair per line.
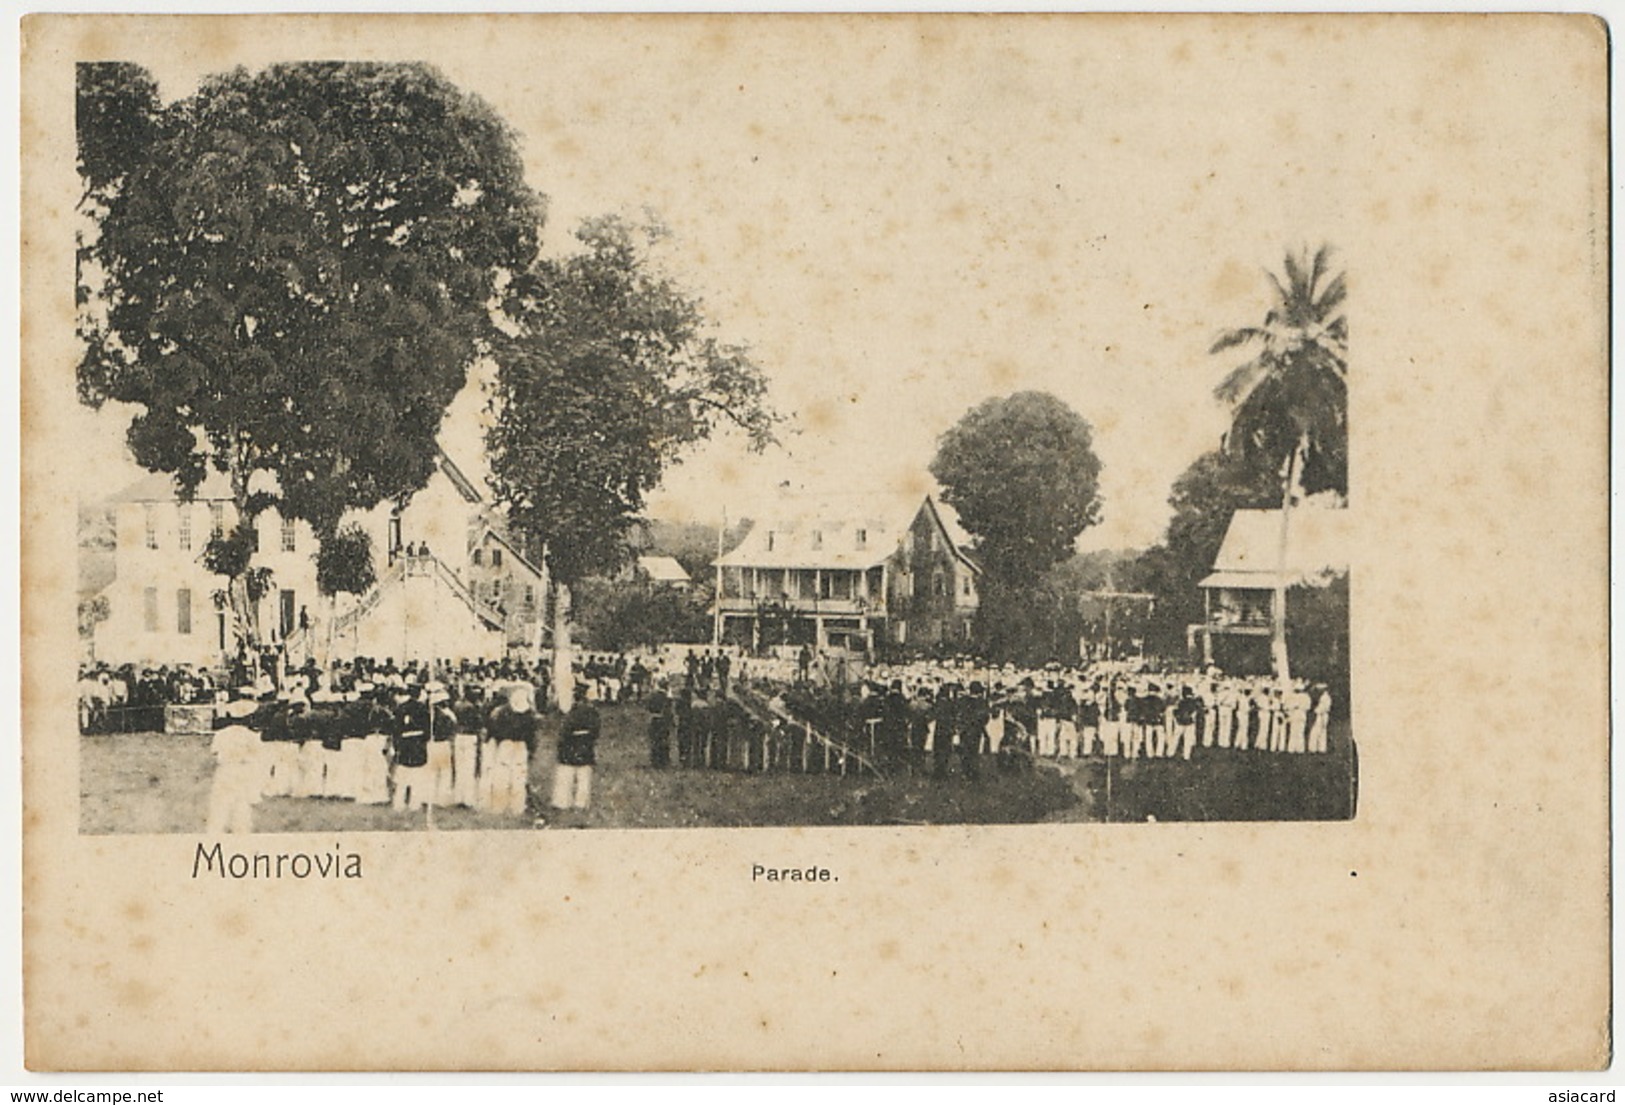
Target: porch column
x,y
1207,626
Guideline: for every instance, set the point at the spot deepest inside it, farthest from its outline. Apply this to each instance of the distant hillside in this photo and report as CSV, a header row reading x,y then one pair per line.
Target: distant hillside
x,y
97,567
692,544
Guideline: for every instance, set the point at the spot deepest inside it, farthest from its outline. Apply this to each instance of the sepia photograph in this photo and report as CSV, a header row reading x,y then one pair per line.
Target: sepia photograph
x,y
814,542
421,511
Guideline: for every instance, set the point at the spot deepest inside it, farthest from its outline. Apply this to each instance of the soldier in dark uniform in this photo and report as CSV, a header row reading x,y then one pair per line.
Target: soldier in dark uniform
x,y
894,723
1186,711
662,720
1023,711
973,716
410,751
577,753
684,709
1088,721
945,714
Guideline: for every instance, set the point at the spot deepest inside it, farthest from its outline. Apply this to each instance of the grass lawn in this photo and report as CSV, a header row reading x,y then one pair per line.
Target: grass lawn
x,y
153,783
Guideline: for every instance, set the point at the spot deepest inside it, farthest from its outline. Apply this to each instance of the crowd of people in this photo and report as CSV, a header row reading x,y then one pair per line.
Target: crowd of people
x,y
930,713
129,698
412,736
419,735
409,739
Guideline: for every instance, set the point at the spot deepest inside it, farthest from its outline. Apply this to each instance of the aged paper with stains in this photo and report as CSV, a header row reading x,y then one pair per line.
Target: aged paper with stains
x,y
1459,921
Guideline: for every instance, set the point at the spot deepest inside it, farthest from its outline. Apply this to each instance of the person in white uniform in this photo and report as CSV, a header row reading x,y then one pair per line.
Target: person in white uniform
x,y
237,777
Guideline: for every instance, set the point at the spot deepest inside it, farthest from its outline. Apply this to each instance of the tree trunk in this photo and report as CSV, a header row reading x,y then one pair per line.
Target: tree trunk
x,y
332,616
245,611
564,686
1278,649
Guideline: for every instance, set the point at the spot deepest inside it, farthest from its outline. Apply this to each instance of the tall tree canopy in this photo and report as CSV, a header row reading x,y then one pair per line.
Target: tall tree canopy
x,y
1289,403
1023,475
1290,399
291,271
613,374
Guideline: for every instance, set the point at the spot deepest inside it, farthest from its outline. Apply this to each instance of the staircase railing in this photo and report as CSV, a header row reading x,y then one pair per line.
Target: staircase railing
x,y
369,601
480,607
764,712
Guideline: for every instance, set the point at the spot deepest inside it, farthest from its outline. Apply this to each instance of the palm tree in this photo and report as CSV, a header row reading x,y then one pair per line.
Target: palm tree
x,y
1289,403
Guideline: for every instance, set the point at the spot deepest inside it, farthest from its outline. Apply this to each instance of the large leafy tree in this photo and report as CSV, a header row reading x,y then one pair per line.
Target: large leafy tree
x,y
290,272
614,373
1289,401
1023,475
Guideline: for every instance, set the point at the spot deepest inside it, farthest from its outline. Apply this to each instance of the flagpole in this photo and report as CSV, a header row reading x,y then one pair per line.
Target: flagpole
x,y
716,619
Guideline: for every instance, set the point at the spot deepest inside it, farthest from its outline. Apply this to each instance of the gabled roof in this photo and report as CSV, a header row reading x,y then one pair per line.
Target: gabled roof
x,y
663,569
856,530
465,486
488,529
830,531
1317,548
160,487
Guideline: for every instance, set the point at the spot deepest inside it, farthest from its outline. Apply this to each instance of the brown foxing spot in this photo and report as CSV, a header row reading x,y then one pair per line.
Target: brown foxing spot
x,y
1003,373
820,416
137,993
1234,281
718,41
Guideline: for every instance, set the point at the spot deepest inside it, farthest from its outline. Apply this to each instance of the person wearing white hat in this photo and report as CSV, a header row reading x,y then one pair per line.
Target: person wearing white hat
x,y
236,784
1246,715
343,769
327,734
1297,719
512,729
442,726
308,763
1228,698
371,764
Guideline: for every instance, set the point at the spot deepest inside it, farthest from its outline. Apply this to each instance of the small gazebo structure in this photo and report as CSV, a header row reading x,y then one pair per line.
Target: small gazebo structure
x,y
1239,595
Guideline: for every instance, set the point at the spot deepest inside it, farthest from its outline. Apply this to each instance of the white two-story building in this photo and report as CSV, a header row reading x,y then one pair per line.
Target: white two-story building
x,y
432,597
